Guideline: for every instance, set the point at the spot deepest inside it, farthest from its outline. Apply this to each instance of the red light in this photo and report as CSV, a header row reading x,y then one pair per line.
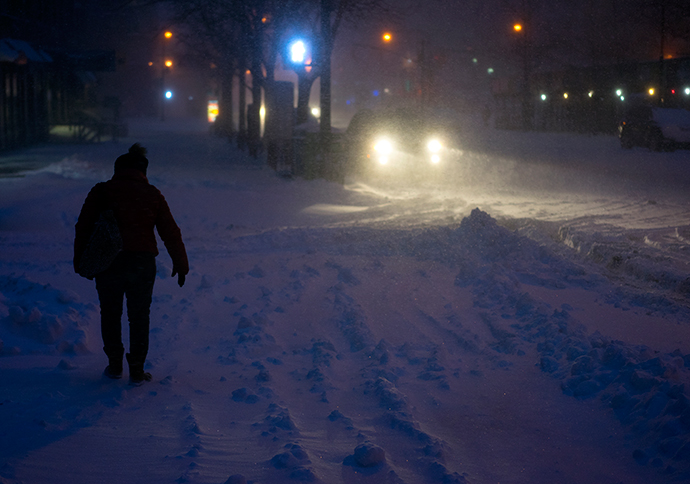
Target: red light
x,y
673,91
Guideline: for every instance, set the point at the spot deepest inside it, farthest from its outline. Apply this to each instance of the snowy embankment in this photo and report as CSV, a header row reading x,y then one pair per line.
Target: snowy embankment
x,y
374,333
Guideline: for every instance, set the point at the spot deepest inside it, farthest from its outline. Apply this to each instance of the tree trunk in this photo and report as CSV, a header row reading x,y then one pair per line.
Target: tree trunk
x,y
254,116
326,47
225,107
304,83
268,85
242,108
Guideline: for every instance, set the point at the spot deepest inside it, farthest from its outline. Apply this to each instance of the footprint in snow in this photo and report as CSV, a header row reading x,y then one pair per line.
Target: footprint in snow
x,y
244,395
257,272
344,274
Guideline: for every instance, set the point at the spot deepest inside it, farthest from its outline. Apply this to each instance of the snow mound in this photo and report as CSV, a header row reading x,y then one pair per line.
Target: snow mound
x,y
37,318
645,389
369,455
75,169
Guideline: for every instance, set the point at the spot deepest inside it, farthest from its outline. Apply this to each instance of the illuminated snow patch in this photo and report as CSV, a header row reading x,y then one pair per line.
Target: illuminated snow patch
x,y
325,208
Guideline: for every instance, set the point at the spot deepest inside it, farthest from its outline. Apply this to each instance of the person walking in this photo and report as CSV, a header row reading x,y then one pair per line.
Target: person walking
x,y
138,207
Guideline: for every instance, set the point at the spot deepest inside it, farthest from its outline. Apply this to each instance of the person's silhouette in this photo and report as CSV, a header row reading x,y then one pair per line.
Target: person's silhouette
x,y
138,207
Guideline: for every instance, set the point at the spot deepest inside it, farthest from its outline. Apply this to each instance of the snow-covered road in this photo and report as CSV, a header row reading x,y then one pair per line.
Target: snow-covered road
x,y
522,318
626,210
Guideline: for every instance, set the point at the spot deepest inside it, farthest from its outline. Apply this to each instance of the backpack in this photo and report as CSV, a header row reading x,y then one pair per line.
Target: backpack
x,y
104,244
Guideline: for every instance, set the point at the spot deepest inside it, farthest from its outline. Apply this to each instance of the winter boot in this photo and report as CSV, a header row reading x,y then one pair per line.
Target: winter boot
x,y
114,368
113,372
137,375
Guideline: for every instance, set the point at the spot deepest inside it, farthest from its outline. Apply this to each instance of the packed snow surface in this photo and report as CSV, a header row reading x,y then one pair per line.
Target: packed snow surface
x,y
518,316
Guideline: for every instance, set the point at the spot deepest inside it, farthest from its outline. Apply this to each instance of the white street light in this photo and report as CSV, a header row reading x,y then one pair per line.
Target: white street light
x,y
298,52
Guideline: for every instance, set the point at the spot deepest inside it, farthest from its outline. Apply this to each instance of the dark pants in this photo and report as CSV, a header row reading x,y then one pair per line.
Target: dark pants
x,y
132,274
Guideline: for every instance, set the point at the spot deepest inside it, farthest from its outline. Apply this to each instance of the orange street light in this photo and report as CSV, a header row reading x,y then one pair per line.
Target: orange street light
x,y
517,27
387,37
168,63
168,34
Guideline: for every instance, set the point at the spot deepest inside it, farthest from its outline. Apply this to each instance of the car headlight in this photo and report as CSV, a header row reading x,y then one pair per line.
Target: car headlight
x,y
434,146
383,147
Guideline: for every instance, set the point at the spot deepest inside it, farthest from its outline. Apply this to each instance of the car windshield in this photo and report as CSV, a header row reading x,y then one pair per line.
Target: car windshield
x,y
402,123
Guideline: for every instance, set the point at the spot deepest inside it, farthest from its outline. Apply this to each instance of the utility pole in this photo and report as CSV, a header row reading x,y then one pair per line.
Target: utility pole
x,y
662,71
423,66
527,35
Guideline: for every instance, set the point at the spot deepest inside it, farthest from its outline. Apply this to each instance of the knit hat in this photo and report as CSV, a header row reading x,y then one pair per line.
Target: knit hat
x,y
134,158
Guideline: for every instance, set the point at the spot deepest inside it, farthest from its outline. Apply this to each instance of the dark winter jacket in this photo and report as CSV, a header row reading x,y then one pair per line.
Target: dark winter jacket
x,y
138,208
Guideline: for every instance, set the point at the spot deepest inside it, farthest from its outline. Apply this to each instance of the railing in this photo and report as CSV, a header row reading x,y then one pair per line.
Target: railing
x,y
87,127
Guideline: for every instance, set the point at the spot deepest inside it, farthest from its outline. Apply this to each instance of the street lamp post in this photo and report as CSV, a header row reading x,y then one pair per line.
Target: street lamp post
x,y
166,65
299,55
662,70
424,75
421,68
527,107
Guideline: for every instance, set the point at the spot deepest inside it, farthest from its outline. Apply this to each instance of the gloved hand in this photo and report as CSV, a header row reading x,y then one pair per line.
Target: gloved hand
x,y
180,276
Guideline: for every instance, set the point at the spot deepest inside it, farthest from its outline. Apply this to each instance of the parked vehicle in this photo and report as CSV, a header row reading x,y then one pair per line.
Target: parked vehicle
x,y
658,129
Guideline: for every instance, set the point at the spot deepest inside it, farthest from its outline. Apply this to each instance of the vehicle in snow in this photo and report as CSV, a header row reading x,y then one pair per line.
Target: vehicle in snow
x,y
655,128
391,141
